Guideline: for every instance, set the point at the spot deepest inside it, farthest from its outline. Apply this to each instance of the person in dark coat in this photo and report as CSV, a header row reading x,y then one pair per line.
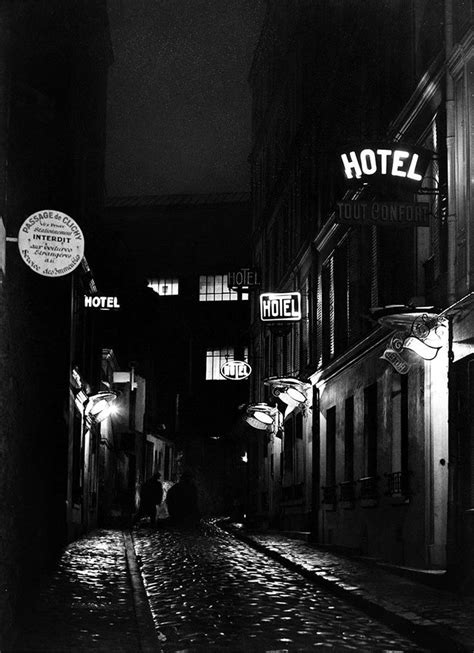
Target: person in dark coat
x,y
182,502
151,496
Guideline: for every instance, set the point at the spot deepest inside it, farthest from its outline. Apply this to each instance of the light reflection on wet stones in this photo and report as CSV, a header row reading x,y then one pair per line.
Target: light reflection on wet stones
x,y
87,603
208,591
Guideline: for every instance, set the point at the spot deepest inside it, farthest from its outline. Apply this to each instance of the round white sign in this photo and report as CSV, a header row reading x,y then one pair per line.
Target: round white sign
x,y
51,243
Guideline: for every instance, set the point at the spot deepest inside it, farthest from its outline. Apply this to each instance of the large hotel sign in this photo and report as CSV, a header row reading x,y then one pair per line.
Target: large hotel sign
x,y
390,214
280,307
396,162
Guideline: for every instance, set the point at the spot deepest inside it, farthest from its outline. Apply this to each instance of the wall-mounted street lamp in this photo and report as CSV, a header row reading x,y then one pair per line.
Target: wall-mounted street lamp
x,y
263,417
289,390
100,405
421,329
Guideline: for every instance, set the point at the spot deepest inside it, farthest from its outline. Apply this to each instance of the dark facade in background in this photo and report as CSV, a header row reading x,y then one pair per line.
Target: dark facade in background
x,y
376,461
53,70
165,255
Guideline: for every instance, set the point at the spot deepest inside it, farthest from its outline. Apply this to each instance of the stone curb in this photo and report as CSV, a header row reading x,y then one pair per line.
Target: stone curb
x,y
426,633
149,637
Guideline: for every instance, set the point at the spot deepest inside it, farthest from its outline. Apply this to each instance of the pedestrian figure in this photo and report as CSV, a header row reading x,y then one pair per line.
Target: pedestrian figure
x,y
151,496
182,502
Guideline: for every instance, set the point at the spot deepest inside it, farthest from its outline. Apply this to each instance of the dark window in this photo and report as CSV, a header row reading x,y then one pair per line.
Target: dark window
x,y
349,440
395,254
299,426
370,428
77,458
341,297
167,470
331,446
404,423
327,282
289,445
149,460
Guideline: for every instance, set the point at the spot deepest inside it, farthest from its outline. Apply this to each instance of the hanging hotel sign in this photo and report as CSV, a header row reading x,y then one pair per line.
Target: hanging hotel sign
x,y
103,302
236,370
392,353
280,307
51,243
243,278
390,214
377,164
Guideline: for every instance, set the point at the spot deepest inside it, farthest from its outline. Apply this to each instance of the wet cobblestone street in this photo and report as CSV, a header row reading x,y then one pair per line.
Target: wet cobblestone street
x,y
208,591
86,604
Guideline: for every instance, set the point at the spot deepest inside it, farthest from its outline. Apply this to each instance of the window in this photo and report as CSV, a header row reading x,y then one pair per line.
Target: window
x,y
164,286
349,440
370,426
331,446
215,358
214,288
289,445
327,283
400,423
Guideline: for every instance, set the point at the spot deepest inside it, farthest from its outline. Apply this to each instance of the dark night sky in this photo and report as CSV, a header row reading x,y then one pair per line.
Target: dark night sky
x,y
179,101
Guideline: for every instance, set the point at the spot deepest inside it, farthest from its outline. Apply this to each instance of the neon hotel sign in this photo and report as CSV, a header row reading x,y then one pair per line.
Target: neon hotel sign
x,y
382,162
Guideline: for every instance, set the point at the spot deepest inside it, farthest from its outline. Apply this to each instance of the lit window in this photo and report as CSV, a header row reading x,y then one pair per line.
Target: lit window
x,y
164,286
214,288
215,359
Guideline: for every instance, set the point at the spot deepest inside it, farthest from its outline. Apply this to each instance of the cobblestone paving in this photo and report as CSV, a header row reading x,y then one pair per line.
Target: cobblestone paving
x,y
209,591
87,603
423,605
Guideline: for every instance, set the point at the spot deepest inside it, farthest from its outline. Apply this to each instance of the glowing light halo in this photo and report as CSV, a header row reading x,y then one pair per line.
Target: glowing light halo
x,y
100,405
421,348
415,324
265,418
296,395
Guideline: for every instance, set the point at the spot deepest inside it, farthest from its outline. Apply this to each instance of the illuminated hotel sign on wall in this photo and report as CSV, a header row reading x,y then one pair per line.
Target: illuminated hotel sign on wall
x,y
390,214
280,307
243,278
397,163
104,303
236,370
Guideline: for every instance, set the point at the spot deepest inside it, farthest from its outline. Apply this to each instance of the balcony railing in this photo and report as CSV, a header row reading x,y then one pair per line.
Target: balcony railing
x,y
329,494
398,484
369,488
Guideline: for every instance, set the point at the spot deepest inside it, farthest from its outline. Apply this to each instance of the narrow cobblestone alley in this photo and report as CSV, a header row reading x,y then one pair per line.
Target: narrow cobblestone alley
x,y
208,591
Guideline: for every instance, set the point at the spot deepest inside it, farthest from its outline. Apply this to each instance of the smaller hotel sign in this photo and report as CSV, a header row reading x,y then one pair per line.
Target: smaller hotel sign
x,y
102,302
236,370
280,307
243,278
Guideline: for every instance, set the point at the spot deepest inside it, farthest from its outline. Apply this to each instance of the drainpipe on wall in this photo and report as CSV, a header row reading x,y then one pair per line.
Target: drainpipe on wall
x,y
315,534
451,288
451,272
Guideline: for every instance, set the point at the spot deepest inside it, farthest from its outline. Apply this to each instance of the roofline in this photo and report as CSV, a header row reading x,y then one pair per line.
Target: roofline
x,y
177,200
